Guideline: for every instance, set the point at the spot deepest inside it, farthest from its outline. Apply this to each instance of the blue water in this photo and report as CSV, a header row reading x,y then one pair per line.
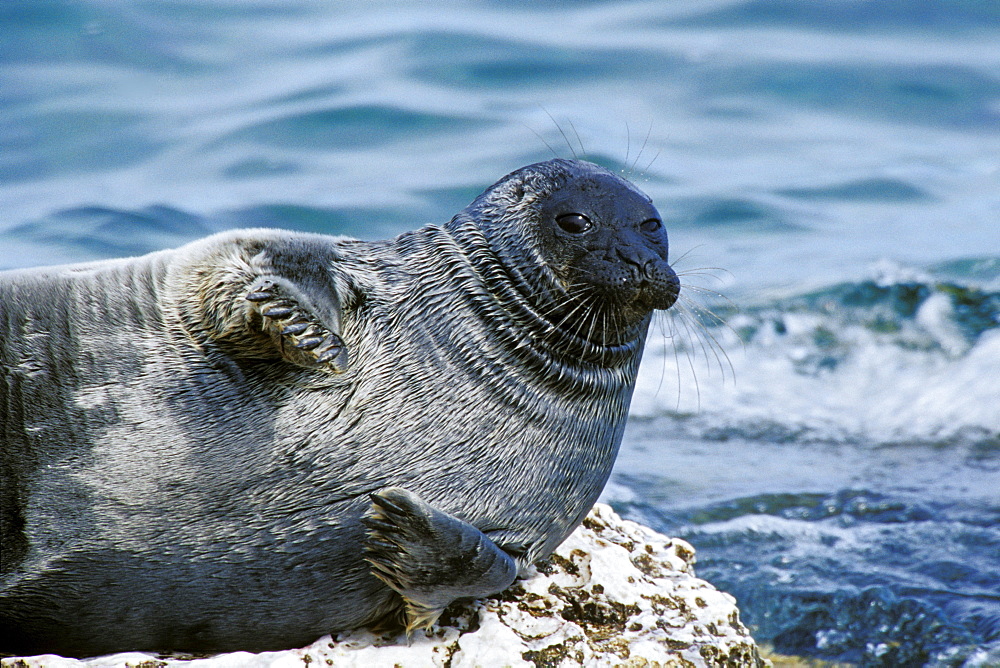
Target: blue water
x,y
828,438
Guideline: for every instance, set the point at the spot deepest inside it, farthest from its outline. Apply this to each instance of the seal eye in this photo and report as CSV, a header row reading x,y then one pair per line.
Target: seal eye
x,y
651,225
574,223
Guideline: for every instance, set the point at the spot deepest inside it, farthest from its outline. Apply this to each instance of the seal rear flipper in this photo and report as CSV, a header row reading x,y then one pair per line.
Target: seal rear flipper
x,y
430,557
294,326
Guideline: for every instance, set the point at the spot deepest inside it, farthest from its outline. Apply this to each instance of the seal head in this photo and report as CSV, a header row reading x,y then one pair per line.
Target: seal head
x,y
586,246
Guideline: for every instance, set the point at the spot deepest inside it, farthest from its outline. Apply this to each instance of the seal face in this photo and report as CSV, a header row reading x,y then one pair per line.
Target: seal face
x,y
262,437
607,245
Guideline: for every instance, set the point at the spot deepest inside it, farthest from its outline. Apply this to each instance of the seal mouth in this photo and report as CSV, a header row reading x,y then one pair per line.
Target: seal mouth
x,y
659,286
633,289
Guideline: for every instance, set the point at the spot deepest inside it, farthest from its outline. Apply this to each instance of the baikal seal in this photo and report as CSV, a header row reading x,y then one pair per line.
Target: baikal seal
x,y
262,437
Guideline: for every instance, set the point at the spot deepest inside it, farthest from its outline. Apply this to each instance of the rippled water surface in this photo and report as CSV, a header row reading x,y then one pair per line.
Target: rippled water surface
x,y
837,465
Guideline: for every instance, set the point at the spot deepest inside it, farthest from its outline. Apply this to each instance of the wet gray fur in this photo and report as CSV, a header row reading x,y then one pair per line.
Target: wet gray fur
x,y
251,441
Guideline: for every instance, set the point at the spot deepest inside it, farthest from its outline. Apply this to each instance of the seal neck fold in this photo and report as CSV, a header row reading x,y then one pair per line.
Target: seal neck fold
x,y
519,307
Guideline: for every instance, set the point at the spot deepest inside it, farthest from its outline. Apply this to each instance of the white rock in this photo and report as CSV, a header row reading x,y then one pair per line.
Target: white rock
x,y
614,594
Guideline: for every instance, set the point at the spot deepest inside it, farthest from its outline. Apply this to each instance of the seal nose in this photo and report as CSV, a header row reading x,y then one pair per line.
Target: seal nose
x,y
655,281
669,292
641,262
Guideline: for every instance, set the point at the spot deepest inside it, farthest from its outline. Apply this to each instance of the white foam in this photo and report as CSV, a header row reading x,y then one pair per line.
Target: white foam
x,y
929,386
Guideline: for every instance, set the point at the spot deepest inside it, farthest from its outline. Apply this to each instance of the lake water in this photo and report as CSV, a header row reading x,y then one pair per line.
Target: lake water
x,y
828,438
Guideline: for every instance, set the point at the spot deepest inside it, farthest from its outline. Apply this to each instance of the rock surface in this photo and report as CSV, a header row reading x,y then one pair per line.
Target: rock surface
x,y
614,594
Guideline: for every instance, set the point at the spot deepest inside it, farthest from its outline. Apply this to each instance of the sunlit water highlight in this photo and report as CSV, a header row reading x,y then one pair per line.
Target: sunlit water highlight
x,y
839,470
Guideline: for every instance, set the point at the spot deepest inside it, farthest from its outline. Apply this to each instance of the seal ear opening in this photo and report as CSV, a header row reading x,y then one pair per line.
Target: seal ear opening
x,y
511,192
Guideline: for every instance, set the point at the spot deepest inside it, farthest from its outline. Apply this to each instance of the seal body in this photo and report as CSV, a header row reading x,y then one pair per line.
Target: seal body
x,y
262,437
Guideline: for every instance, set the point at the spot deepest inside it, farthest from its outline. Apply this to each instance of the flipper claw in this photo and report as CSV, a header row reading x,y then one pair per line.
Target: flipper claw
x,y
295,328
301,337
330,354
309,343
277,312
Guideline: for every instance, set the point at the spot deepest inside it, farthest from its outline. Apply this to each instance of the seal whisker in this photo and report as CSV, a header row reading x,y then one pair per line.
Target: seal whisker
x,y
689,314
575,299
604,327
685,255
677,365
582,309
681,314
701,271
645,170
628,148
590,333
588,317
578,308
649,132
547,145
688,255
585,307
583,151
563,133
701,290
660,324
667,332
695,310
708,313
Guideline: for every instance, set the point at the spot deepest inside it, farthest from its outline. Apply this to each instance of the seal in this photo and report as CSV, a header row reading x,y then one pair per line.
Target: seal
x,y
263,437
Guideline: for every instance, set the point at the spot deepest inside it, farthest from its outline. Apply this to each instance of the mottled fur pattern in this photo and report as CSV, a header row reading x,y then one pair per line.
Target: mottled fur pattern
x,y
176,476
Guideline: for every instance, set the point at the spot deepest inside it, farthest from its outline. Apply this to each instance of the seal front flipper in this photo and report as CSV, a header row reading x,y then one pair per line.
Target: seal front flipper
x,y
294,327
430,557
263,295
